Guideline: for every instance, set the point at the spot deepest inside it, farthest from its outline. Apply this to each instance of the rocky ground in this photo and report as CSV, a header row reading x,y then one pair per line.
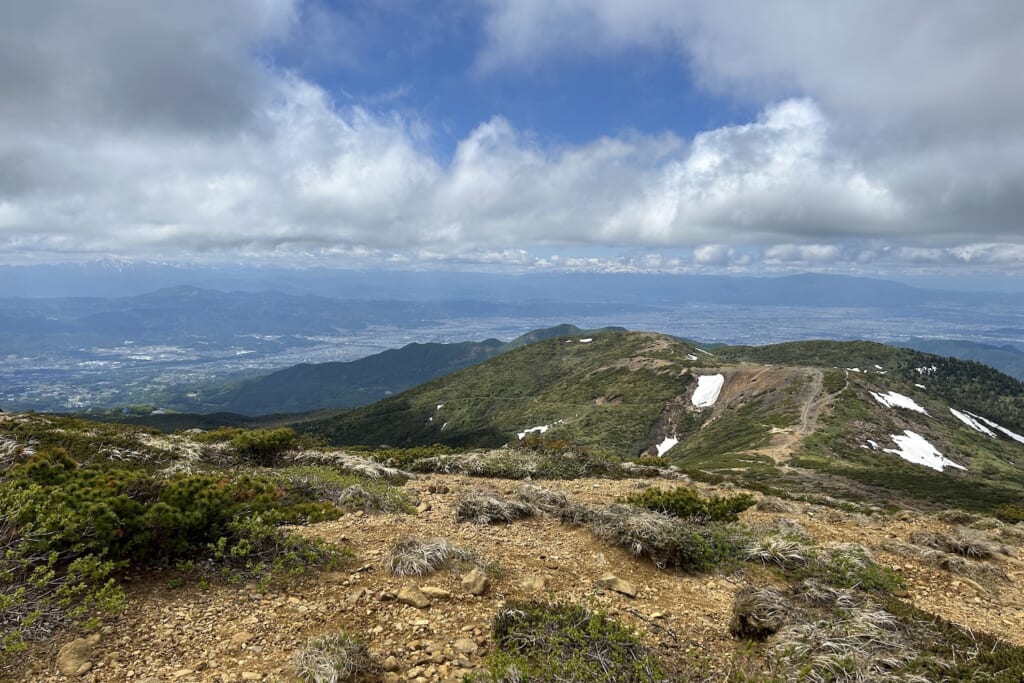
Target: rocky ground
x,y
227,632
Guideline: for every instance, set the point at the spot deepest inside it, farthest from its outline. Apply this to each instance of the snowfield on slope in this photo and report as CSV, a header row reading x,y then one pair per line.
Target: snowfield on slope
x,y
894,400
914,448
1013,435
707,391
666,445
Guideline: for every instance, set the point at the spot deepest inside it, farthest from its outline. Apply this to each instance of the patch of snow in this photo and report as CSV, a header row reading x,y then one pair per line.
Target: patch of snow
x,y
586,340
706,353
894,400
972,422
854,369
914,448
443,426
707,391
430,419
878,367
690,356
873,444
666,445
927,370
920,386
1013,435
540,430
439,406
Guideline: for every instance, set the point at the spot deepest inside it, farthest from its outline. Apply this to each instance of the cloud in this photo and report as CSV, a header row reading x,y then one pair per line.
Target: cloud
x,y
167,131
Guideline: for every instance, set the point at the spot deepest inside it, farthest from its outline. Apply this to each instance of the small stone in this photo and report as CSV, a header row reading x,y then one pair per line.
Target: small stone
x,y
410,594
465,646
423,507
74,655
392,677
84,669
355,596
250,676
435,592
534,584
240,638
181,673
614,583
390,664
475,582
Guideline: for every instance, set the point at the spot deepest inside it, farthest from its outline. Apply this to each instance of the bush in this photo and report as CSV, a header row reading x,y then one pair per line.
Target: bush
x,y
757,613
666,540
336,658
1011,514
846,566
263,447
68,528
542,642
684,502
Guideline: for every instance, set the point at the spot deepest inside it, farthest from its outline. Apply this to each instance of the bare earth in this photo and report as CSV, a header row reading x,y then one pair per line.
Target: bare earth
x,y
234,632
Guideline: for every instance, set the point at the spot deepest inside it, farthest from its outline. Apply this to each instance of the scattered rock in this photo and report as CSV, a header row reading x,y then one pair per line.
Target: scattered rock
x,y
533,584
614,583
475,582
465,645
241,638
435,592
76,654
423,507
410,594
389,664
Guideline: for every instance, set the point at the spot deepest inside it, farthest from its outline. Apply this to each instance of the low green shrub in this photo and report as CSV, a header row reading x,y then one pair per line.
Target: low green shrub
x,y
536,641
685,502
263,447
1011,514
68,528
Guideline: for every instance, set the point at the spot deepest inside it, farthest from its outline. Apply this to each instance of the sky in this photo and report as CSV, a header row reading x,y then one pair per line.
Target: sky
x,y
865,137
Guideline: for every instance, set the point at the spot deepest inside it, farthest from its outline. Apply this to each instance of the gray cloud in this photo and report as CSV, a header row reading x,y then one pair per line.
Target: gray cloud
x,y
162,131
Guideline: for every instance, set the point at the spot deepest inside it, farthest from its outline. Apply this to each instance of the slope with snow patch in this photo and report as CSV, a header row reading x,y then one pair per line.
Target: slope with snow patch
x,y
895,400
914,448
707,391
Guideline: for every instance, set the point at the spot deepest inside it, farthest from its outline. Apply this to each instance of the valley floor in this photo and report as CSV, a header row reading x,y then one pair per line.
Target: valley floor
x,y
228,632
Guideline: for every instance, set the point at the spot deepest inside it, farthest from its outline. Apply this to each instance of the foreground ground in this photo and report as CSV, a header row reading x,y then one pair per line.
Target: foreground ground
x,y
219,631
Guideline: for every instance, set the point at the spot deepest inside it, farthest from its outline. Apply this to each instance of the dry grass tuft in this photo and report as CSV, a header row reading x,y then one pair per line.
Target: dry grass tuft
x,y
774,504
758,613
335,658
787,553
420,557
487,509
965,542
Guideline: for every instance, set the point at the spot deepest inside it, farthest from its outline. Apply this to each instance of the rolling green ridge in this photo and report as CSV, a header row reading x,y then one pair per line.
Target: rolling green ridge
x,y
307,387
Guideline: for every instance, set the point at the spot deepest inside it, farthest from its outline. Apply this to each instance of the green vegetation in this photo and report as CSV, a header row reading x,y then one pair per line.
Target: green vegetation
x,y
604,396
263,447
685,502
536,641
847,566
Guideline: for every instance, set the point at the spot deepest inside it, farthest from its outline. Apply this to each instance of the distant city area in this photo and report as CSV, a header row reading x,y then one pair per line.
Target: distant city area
x,y
142,372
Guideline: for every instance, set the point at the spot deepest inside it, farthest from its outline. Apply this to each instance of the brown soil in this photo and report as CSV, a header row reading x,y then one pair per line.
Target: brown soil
x,y
228,632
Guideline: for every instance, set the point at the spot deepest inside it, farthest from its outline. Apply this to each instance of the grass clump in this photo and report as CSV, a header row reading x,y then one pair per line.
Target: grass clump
x,y
263,447
349,488
544,642
519,464
684,502
1011,514
336,658
666,540
757,613
961,542
420,557
845,566
487,509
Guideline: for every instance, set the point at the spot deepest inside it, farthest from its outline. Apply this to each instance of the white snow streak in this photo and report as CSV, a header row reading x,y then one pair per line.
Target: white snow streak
x,y
1013,435
972,423
586,340
540,430
914,448
894,400
707,391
